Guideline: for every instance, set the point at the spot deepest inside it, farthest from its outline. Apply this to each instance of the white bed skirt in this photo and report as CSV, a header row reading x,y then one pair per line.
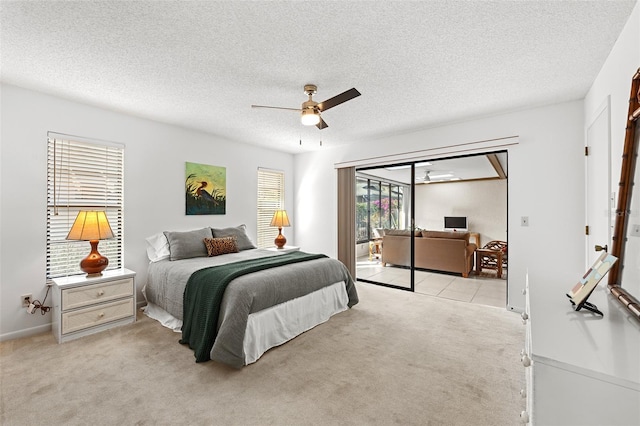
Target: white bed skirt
x,y
281,323
278,324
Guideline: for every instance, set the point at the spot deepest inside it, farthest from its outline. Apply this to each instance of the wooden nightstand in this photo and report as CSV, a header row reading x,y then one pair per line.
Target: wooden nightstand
x,y
285,249
86,305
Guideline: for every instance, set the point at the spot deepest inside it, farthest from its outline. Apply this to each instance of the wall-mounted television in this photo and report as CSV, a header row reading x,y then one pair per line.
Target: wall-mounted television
x,y
455,223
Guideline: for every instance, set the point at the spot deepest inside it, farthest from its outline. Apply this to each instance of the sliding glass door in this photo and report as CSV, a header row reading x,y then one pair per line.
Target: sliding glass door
x,y
383,208
421,226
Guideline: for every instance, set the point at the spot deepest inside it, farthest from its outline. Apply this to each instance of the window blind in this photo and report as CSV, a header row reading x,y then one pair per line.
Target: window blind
x,y
270,199
82,175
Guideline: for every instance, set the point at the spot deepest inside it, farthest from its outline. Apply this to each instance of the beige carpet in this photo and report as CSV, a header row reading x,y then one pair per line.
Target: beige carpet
x,y
395,358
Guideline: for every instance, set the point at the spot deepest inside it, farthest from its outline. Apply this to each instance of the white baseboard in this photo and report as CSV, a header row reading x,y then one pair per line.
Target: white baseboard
x,y
25,332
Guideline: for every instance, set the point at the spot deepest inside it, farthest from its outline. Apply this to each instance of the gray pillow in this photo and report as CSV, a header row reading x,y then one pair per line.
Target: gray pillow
x,y
185,245
240,232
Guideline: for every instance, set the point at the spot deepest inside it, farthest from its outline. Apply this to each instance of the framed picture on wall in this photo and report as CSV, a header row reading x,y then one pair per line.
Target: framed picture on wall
x,y
205,189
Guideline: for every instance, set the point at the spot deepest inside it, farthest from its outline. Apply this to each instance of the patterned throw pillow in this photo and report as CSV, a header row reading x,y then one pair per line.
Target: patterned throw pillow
x,y
217,246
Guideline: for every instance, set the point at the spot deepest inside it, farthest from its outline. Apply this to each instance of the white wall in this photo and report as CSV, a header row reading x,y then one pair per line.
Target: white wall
x,y
483,202
614,80
546,172
155,156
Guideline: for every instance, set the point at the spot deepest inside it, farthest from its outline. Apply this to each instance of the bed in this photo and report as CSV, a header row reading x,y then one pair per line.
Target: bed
x,y
260,308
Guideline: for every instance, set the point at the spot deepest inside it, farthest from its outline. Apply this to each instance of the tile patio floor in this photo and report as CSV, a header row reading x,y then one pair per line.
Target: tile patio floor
x,y
485,289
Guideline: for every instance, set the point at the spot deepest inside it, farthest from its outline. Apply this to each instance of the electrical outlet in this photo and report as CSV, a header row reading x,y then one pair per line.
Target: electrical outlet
x,y
635,230
26,300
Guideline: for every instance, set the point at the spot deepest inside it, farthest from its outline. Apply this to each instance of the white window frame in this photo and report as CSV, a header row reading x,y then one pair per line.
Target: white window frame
x,y
82,174
270,199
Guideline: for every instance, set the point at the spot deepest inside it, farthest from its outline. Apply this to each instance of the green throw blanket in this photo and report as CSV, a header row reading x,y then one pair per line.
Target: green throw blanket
x,y
203,295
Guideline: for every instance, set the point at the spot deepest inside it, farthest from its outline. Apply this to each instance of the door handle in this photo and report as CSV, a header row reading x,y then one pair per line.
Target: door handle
x,y
600,248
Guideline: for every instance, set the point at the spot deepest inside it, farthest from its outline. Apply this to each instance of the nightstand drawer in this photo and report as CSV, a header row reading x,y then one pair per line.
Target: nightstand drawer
x,y
78,297
96,315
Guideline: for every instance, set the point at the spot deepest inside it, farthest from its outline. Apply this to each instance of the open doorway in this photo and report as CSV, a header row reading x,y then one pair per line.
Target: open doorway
x,y
435,226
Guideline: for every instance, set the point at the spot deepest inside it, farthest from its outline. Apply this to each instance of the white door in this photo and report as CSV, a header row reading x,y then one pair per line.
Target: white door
x,y
598,182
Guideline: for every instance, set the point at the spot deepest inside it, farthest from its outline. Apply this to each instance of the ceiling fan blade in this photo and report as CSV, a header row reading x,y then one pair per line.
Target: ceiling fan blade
x,y
338,99
273,107
321,125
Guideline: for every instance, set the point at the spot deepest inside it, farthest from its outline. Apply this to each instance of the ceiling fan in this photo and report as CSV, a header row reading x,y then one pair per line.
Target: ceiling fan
x,y
439,176
311,109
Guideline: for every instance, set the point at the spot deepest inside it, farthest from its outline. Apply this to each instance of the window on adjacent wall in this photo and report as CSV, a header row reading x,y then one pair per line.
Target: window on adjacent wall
x,y
82,175
379,204
270,199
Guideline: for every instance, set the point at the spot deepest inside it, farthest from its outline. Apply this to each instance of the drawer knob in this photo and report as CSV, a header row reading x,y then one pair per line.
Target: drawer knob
x,y
526,361
100,292
101,314
523,393
524,417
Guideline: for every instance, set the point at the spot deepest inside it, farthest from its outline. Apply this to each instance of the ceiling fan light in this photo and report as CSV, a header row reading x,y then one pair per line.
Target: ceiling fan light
x,y
442,176
310,117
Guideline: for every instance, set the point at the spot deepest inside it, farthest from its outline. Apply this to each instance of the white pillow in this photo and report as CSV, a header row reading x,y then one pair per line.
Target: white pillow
x,y
157,247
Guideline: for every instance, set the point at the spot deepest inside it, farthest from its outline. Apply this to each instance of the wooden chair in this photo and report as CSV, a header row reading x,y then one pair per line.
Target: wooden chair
x,y
488,259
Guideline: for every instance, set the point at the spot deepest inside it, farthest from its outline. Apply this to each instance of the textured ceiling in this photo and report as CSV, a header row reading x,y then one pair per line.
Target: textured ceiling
x,y
202,64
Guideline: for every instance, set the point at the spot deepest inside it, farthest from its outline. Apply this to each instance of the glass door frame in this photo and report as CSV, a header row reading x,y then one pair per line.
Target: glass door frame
x,y
411,222
412,213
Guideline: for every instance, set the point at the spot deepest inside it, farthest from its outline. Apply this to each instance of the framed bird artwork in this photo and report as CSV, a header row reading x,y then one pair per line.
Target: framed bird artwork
x,y
205,189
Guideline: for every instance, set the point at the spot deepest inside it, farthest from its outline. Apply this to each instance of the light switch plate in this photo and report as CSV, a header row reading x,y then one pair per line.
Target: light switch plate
x,y
524,221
